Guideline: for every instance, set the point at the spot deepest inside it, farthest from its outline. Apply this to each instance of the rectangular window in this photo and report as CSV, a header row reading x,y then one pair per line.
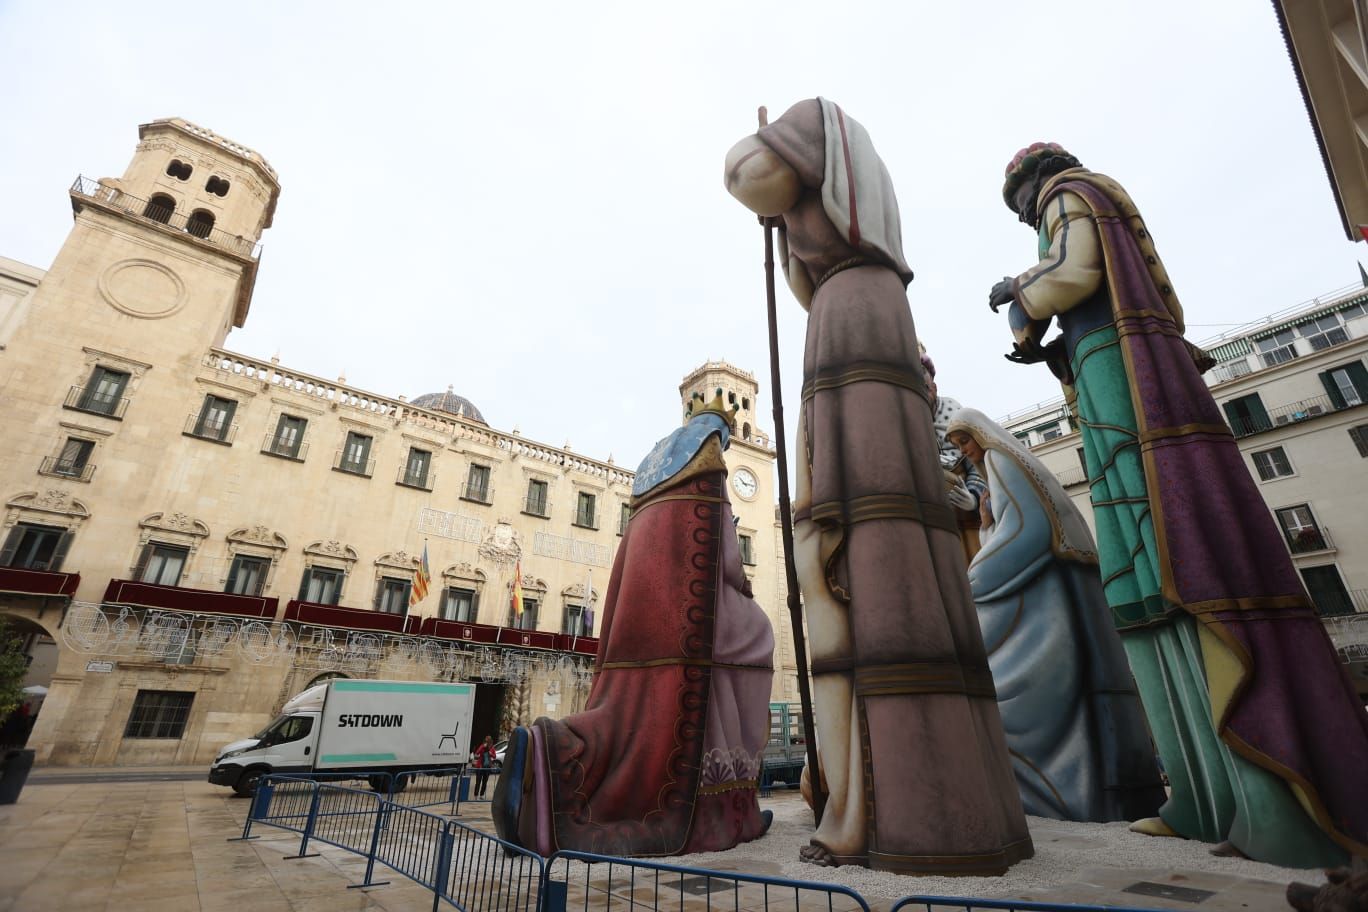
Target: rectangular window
x,y
74,459
747,550
1052,432
288,437
1323,332
321,585
536,497
1272,463
1327,590
1359,435
247,576
1300,529
1277,349
392,595
215,420
1247,415
103,392
528,619
416,468
355,454
30,546
623,516
584,510
1083,460
162,565
1347,385
458,605
159,714
576,622
477,484
1353,310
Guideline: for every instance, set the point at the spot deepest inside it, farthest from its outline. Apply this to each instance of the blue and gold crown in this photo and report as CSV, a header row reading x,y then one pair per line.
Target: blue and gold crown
x,y
698,405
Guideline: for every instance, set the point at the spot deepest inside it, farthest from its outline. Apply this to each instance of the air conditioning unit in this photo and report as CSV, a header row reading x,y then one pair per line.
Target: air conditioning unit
x,y
1282,419
1316,410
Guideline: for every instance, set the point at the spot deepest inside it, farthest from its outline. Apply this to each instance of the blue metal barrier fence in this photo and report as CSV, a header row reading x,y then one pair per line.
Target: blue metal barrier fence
x,y
606,882
468,869
475,872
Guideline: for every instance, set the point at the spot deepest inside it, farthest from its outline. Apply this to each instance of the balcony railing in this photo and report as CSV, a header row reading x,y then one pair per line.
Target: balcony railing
x,y
285,448
56,465
114,198
96,403
362,467
1072,476
1301,410
477,493
1308,540
422,481
196,425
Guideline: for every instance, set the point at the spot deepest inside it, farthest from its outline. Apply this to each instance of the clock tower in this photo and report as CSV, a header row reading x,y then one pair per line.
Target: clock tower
x,y
751,486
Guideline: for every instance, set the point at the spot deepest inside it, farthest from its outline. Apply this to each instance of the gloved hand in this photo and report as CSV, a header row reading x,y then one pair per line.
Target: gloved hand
x,y
961,498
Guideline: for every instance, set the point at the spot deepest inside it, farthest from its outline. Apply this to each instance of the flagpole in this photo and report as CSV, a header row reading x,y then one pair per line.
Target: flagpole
x,y
795,603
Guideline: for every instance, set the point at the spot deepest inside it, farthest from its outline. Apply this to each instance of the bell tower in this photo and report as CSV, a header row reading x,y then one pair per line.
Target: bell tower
x,y
162,260
738,388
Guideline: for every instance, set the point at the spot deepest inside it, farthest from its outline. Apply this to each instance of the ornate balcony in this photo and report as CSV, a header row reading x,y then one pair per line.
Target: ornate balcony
x,y
84,190
179,598
19,581
349,618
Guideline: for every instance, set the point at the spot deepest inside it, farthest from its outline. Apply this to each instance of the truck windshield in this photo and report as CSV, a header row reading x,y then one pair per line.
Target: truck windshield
x,y
275,723
285,729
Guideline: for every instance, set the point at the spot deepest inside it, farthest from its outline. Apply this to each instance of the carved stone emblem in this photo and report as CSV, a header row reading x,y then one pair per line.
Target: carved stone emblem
x,y
502,545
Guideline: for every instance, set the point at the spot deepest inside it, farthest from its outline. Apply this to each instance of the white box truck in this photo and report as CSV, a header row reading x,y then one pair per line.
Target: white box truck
x,y
344,726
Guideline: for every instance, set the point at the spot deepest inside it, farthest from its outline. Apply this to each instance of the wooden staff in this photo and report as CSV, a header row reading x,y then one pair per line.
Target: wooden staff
x,y
795,602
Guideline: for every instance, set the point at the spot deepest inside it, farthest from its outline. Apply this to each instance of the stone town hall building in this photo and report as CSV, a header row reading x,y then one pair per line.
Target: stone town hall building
x,y
191,536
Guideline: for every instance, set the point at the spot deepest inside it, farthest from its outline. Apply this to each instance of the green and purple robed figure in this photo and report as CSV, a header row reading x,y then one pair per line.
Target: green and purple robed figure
x,y
1260,731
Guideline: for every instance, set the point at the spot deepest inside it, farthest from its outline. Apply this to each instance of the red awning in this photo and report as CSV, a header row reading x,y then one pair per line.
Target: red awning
x,y
177,598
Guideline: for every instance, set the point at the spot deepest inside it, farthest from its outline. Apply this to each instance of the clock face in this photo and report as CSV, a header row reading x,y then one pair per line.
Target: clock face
x,y
745,483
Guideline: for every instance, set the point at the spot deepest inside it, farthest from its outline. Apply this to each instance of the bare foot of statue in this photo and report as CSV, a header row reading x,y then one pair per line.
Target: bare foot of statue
x,y
1154,826
1226,849
812,853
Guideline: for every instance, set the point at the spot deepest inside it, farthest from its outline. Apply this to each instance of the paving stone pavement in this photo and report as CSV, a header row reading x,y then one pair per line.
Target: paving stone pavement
x,y
163,845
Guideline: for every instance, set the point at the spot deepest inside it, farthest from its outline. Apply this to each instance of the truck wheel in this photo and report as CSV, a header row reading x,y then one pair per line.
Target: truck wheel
x,y
246,785
378,783
400,783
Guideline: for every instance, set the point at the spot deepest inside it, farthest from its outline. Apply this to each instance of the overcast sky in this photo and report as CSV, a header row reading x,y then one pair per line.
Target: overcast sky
x,y
525,201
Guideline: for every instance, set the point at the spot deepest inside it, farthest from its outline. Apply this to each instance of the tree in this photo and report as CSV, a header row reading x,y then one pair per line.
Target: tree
x,y
13,667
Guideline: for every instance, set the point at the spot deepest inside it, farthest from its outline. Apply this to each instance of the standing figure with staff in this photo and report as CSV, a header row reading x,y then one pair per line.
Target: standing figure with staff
x,y
910,740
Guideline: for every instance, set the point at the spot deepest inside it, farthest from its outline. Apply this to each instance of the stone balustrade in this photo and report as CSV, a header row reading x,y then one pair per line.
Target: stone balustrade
x,y
341,395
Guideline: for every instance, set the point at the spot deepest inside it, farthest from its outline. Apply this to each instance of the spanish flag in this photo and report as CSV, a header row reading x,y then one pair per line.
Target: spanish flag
x,y
517,603
421,579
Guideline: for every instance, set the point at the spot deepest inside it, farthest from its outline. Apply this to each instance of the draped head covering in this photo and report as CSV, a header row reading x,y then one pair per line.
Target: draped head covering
x,y
857,193
1070,538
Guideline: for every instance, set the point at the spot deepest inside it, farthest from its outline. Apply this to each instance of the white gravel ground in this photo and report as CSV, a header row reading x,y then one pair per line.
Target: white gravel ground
x,y
1062,852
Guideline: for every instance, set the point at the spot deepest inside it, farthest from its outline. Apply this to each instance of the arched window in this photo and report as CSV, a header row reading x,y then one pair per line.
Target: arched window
x,y
159,208
745,431
179,169
200,223
327,676
217,186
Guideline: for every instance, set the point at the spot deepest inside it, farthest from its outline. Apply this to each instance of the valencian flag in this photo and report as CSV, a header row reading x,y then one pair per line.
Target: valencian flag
x,y
517,591
421,579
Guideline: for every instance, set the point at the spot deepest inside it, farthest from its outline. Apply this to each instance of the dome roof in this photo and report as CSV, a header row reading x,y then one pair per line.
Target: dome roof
x,y
450,403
